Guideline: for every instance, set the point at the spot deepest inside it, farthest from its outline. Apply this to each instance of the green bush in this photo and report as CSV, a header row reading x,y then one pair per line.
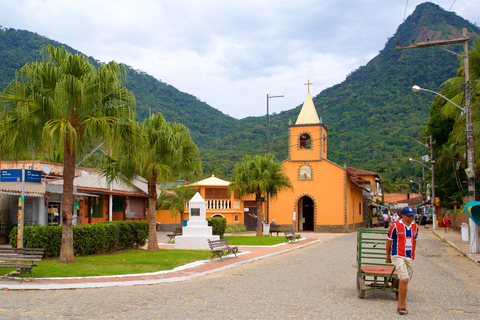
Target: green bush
x,y
218,224
96,238
235,228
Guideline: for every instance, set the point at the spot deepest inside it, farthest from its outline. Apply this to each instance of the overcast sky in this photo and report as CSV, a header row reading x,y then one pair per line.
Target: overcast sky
x,y
228,53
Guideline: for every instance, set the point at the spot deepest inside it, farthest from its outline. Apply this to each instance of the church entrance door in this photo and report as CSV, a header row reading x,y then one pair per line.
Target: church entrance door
x,y
306,221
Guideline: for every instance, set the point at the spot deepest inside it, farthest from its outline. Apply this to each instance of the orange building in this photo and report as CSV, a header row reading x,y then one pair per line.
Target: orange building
x,y
326,197
219,204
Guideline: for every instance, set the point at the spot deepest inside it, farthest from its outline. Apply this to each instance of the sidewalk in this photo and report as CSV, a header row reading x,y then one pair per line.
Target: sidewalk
x,y
454,238
193,270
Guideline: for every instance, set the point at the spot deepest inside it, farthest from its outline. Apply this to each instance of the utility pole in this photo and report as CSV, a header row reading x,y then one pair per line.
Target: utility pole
x,y
268,149
432,171
474,243
268,121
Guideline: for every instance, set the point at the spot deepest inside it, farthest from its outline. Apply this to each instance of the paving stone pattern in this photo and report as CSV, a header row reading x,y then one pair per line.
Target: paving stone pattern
x,y
314,282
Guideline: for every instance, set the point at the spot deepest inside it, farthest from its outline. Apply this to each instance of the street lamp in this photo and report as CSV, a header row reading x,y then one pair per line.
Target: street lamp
x,y
418,189
268,133
416,88
423,171
470,150
268,144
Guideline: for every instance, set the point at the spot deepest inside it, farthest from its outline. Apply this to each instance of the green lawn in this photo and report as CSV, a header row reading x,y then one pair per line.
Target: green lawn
x,y
134,261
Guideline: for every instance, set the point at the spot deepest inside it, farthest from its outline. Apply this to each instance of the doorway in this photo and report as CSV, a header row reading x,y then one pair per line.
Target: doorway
x,y
306,214
249,216
53,214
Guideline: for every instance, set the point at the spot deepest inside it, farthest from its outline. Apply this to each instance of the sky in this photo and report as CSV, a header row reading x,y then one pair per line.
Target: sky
x,y
230,54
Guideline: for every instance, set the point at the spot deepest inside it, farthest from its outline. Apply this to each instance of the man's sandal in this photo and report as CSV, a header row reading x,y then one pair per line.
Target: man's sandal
x,y
402,311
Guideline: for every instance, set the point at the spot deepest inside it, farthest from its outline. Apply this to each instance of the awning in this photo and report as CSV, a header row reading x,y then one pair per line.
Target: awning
x,y
379,204
422,204
32,189
51,188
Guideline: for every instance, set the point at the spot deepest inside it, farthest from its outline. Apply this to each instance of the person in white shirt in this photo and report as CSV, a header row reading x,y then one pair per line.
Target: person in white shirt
x,y
386,219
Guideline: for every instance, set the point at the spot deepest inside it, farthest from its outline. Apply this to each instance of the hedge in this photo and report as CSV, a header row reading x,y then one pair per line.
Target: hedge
x,y
96,238
218,224
235,228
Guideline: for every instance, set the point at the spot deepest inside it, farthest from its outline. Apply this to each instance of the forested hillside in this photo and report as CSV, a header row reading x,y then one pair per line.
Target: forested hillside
x,y
372,116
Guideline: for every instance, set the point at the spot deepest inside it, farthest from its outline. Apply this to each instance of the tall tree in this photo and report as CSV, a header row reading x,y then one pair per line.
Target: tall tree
x,y
63,104
165,152
261,175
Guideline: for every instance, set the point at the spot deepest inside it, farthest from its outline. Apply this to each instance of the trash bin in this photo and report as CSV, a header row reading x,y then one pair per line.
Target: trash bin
x,y
464,228
266,229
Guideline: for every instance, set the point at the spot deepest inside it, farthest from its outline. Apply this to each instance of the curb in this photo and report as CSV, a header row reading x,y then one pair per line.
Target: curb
x,y
85,285
453,245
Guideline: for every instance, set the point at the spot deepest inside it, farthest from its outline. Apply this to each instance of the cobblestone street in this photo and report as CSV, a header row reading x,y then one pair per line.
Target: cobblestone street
x,y
314,282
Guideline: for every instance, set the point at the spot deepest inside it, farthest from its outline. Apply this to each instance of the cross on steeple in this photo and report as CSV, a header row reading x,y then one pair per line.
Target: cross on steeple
x,y
308,84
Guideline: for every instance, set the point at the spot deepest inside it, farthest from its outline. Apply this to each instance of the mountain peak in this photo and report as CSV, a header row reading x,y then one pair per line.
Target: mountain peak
x,y
431,22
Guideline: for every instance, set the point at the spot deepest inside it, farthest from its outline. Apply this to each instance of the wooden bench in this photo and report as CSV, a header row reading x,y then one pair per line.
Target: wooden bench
x,y
221,247
176,232
275,228
21,258
292,236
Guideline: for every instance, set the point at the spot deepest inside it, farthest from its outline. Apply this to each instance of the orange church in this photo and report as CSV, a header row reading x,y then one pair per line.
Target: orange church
x,y
326,197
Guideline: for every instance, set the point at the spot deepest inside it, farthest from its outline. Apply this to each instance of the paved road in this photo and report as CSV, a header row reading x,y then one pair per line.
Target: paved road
x,y
315,282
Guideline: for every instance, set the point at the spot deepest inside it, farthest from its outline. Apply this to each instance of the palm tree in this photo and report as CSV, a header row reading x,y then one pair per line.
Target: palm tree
x,y
166,151
176,200
63,104
261,175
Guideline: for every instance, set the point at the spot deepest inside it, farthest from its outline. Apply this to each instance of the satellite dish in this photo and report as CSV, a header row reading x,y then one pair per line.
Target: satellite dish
x,y
45,169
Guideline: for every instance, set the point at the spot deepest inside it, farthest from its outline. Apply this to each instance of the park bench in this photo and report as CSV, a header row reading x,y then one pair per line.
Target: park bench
x,y
21,258
292,236
275,228
176,232
221,247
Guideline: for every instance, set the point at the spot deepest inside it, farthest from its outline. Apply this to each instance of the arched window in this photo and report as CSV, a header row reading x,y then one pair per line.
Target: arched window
x,y
236,218
305,141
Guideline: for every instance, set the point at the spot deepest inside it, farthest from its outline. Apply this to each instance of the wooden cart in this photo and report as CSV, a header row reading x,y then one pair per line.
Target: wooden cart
x,y
372,271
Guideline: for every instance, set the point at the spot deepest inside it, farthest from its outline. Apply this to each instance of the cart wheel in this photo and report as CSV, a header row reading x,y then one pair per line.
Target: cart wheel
x,y
3,239
360,284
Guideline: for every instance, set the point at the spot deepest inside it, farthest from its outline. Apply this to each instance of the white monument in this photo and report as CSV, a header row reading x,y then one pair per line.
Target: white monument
x,y
195,234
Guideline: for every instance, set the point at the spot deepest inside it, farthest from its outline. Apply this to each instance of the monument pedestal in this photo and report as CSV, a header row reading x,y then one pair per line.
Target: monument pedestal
x,y
197,232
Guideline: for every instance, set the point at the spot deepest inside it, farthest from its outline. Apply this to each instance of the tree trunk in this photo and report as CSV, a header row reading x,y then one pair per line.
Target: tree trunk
x,y
259,227
66,251
152,214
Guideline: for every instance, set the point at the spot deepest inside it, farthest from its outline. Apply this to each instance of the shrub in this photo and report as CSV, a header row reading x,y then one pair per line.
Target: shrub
x,y
96,238
235,228
218,224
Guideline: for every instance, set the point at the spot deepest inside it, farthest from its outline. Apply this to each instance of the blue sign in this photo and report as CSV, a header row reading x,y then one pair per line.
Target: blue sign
x,y
33,176
11,175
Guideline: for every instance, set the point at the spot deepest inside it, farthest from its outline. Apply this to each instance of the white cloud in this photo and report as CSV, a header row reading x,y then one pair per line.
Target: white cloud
x,y
230,54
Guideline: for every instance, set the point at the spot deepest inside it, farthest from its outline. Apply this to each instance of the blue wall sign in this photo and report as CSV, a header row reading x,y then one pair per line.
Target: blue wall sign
x,y
11,175
33,176
15,175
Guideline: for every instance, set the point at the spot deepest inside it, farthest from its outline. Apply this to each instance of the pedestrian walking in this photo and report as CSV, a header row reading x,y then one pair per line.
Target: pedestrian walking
x,y
400,247
385,219
396,218
446,222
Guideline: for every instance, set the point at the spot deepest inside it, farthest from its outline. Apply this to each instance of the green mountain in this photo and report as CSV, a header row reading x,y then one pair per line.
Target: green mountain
x,y
372,116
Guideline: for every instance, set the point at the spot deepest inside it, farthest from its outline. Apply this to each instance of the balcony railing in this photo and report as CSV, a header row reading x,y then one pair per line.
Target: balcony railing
x,y
219,204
